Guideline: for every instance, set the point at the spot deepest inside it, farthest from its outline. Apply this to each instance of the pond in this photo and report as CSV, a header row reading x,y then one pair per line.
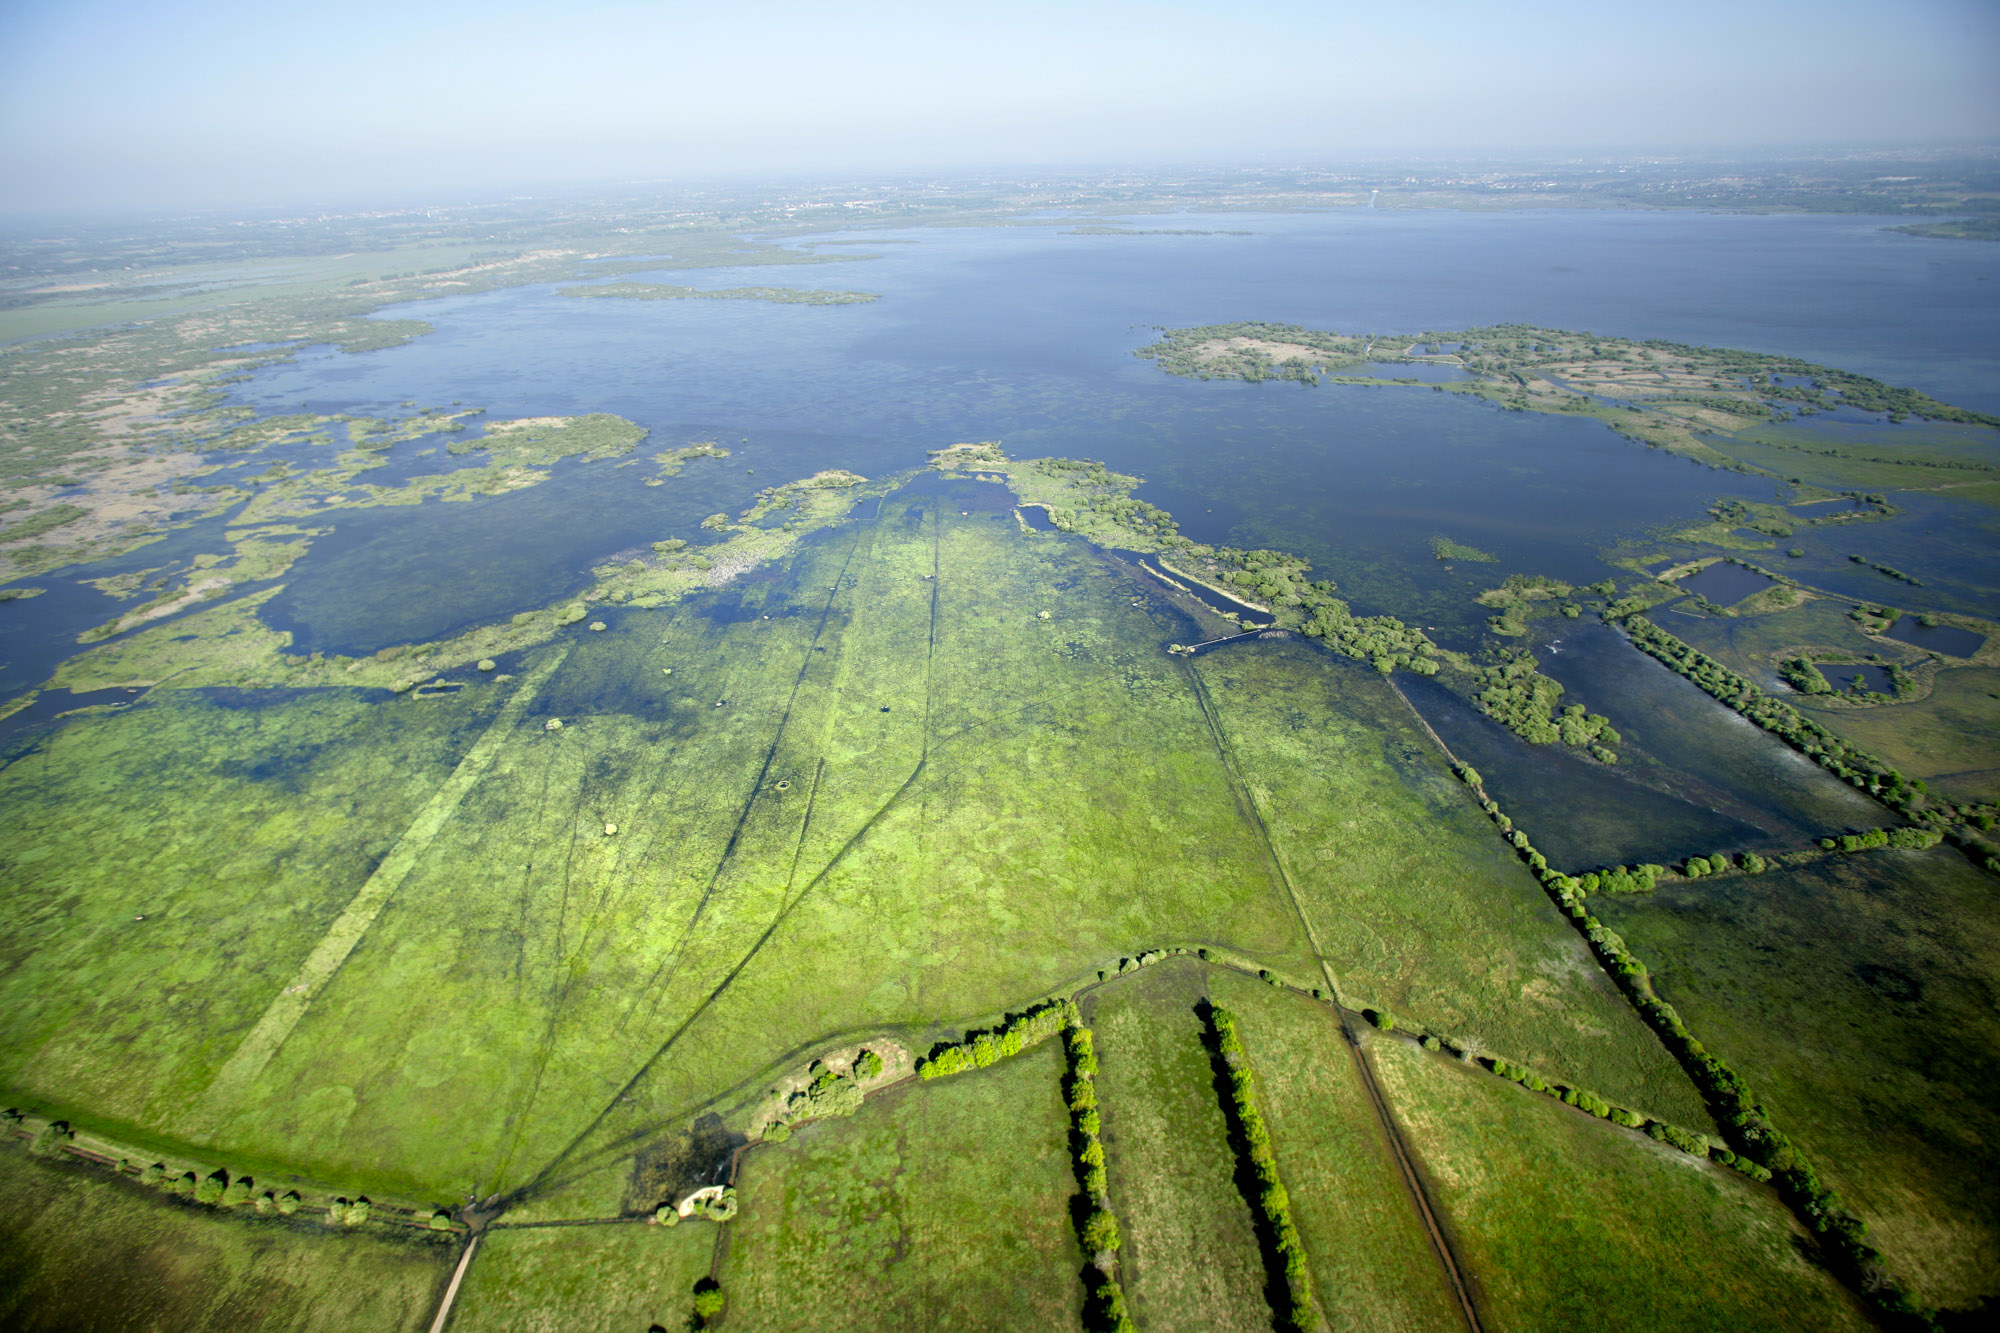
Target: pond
x,y
1947,639
1725,583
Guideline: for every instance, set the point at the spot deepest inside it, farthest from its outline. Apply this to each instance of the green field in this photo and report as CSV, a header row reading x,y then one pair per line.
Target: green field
x,y
1417,904
1566,1221
1951,739
623,1276
80,1251
939,1205
1856,997
1373,1265
1190,1259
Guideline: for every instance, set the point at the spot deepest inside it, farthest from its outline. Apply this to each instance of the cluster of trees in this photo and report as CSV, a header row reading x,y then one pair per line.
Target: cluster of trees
x,y
830,1096
980,1049
1906,838
1516,838
1272,1204
1803,676
1697,866
1515,694
1096,1225
1856,766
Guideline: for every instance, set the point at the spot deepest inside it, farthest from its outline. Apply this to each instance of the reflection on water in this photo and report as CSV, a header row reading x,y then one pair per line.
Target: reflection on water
x,y
1947,639
1725,583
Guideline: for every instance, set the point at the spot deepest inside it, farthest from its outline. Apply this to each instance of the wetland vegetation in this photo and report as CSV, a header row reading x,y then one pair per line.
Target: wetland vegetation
x,y
988,887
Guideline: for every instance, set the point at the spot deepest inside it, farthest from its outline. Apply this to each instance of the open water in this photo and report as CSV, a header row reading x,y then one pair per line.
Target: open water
x,y
1026,334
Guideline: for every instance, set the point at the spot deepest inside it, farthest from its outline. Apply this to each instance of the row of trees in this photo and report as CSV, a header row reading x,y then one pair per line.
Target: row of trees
x,y
1856,766
1271,1201
217,1189
1096,1225
980,1049
1759,1147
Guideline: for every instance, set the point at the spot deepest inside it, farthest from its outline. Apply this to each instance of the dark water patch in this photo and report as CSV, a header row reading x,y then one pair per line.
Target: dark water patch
x,y
1873,679
1947,639
1037,518
1725,583
1578,812
1675,739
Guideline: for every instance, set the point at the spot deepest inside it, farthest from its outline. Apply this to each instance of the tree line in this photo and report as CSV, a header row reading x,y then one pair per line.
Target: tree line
x,y
1268,1198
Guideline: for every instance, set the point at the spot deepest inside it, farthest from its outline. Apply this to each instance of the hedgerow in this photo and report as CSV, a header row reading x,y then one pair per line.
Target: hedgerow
x,y
979,1049
1272,1203
1096,1225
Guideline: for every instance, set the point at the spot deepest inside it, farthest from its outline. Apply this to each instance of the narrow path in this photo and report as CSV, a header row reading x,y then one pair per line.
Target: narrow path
x,y
451,1291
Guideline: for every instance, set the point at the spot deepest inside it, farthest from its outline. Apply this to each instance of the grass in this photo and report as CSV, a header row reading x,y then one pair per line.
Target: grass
x,y
81,1251
1949,739
1372,1263
1564,1220
1418,906
541,1279
939,1205
1190,1258
1855,996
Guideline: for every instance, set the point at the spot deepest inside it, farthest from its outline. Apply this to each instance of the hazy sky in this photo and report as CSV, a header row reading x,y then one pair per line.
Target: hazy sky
x,y
160,104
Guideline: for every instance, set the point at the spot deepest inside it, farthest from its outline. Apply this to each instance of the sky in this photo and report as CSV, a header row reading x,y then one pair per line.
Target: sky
x,y
107,104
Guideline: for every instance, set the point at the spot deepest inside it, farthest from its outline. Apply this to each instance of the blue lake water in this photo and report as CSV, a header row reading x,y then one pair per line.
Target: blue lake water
x,y
1026,334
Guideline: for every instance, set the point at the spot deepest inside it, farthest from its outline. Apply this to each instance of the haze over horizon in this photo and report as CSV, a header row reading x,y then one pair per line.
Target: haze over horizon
x,y
109,105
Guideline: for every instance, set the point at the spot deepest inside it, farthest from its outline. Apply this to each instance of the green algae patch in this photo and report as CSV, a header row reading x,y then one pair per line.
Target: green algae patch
x,y
670,462
660,291
1561,1219
938,1204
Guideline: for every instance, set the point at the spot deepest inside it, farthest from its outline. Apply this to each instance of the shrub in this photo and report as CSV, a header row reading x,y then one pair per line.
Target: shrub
x,y
777,1132
1099,1232
708,1298
153,1175
50,1138
1381,1019
985,1050
667,1215
440,1221
238,1192
288,1202
719,1207
182,1184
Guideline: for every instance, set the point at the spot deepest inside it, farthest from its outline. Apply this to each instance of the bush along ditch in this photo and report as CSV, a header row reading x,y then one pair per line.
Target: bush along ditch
x,y
1289,1281
1020,1032
1096,1225
1753,1140
219,1188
